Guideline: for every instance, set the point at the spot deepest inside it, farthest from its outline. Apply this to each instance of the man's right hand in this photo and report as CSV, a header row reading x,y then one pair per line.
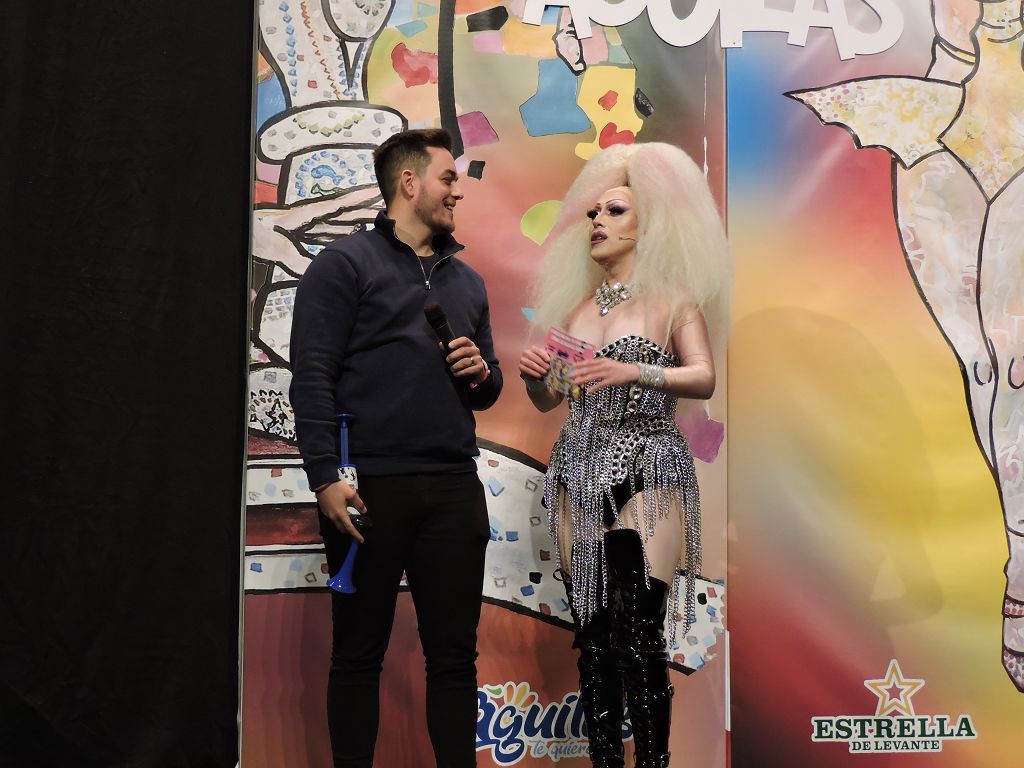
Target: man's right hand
x,y
334,501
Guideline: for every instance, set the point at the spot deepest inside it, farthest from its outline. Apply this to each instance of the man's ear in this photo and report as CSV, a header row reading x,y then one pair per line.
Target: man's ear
x,y
407,183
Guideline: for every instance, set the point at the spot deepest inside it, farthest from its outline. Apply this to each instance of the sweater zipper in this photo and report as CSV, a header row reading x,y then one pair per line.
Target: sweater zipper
x,y
426,276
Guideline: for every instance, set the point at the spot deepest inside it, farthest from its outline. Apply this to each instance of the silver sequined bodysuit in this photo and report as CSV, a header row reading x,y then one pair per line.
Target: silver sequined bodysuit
x,y
623,436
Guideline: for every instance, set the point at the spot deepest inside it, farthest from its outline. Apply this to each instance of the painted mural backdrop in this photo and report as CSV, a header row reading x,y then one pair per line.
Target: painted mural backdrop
x,y
875,408
528,103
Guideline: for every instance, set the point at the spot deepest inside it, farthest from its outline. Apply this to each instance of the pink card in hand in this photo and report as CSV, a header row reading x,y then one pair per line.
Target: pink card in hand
x,y
565,351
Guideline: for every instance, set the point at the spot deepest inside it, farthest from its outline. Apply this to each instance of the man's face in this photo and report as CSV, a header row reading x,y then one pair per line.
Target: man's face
x,y
438,191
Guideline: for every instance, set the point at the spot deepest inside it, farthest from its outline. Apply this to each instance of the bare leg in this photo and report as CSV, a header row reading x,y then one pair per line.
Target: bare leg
x,y
663,546
564,534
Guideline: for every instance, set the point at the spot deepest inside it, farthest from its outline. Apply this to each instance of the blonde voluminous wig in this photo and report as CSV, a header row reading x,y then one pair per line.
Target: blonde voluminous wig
x,y
682,258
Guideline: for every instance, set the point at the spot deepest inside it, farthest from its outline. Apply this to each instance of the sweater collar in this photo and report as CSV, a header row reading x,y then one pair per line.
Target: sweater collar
x,y
444,244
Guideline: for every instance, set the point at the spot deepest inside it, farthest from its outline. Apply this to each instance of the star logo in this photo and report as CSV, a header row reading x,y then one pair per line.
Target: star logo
x,y
894,727
894,692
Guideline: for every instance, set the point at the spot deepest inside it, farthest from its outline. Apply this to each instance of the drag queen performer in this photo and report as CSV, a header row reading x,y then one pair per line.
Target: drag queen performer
x,y
639,269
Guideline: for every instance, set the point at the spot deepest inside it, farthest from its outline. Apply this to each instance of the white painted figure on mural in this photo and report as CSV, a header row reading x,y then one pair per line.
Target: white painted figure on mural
x,y
958,147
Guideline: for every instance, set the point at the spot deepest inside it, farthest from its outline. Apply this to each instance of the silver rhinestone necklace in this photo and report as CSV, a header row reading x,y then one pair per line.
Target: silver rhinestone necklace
x,y
608,296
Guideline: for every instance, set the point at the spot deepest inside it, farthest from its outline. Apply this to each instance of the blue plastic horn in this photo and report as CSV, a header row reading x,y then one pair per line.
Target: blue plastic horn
x,y
342,580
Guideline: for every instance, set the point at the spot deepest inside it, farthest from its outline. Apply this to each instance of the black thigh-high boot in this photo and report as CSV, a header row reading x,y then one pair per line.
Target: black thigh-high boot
x,y
600,685
638,618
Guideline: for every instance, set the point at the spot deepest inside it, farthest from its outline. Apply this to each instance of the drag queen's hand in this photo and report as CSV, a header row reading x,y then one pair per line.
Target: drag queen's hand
x,y
607,373
533,363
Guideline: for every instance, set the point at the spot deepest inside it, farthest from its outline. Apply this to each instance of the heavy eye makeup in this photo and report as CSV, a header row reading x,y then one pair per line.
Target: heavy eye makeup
x,y
613,210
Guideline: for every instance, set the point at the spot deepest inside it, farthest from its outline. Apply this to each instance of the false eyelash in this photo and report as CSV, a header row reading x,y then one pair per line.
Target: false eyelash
x,y
614,211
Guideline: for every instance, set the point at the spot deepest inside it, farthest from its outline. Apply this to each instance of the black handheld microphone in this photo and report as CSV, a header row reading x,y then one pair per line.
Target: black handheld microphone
x,y
438,320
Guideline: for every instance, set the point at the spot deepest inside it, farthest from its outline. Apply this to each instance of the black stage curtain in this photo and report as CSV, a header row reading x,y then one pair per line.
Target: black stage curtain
x,y
124,213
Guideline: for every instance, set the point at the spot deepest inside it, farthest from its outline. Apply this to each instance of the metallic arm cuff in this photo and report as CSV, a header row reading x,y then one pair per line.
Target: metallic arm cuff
x,y
651,376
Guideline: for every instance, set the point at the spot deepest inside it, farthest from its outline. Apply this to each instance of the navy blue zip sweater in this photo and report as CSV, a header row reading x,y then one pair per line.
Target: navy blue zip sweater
x,y
360,344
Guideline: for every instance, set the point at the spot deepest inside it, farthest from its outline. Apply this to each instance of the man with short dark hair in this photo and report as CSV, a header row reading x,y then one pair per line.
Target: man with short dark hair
x,y
361,344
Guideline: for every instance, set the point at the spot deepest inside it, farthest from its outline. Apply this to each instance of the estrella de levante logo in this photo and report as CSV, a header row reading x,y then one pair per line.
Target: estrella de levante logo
x,y
895,726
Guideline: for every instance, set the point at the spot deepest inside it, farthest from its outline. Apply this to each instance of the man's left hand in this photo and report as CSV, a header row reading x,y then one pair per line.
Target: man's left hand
x,y
465,360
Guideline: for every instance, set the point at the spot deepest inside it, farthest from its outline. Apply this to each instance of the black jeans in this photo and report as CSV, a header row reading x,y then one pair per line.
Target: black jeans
x,y
435,529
